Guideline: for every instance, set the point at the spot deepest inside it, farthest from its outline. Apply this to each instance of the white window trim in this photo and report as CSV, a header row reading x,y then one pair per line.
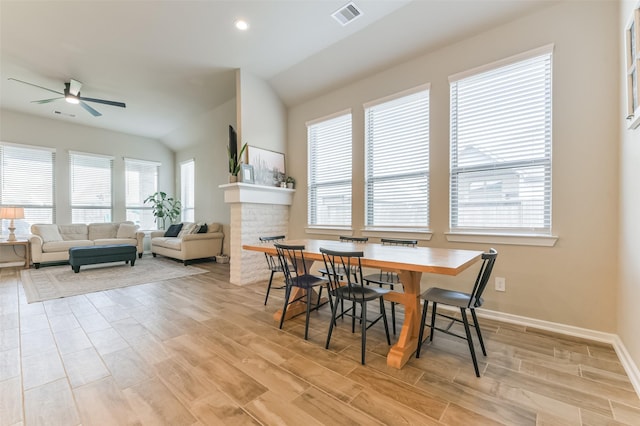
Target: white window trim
x,y
329,230
507,239
513,238
419,234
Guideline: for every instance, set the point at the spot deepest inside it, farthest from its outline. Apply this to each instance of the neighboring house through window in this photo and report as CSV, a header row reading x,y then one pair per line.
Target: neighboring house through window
x,y
141,180
397,161
91,187
501,146
329,172
27,180
187,192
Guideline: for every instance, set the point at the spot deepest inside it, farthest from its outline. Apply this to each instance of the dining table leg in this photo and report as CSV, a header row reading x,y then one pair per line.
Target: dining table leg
x,y
407,342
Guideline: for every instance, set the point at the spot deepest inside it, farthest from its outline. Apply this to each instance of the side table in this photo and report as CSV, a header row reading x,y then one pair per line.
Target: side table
x,y
19,242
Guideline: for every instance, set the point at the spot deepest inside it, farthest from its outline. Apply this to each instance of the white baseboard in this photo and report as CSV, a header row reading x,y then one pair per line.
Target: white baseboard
x,y
625,359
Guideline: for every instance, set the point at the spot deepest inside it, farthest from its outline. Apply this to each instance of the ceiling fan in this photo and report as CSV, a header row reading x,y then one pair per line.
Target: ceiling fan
x,y
72,95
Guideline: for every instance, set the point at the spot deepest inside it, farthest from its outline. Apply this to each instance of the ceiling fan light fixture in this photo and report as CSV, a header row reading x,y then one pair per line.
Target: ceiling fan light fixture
x,y
72,99
241,24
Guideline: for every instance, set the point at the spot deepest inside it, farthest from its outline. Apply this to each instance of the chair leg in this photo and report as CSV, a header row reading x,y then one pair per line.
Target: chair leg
x,y
334,310
477,326
306,323
353,318
393,317
425,306
363,320
465,321
287,293
384,319
269,287
433,320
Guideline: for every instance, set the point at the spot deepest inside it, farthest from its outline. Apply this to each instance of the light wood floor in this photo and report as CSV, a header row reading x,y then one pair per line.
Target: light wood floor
x,y
199,350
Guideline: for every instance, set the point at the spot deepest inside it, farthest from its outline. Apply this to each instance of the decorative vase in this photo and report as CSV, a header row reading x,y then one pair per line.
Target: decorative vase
x,y
233,179
290,185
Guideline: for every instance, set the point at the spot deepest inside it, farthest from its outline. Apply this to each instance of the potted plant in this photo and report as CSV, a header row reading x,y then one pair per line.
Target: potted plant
x,y
291,182
164,208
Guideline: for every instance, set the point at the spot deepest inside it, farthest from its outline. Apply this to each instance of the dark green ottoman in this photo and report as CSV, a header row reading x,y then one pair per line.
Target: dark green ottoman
x,y
92,255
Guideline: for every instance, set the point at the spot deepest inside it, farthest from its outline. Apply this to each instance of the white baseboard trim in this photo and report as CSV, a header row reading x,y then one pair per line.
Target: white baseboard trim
x,y
625,359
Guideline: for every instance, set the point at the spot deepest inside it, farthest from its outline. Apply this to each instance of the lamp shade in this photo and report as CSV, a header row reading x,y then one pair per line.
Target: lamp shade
x,y
11,213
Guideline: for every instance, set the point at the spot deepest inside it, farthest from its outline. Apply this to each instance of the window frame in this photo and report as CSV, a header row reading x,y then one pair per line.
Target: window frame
x,y
73,206
143,207
507,234
23,225
312,177
632,54
401,175
184,201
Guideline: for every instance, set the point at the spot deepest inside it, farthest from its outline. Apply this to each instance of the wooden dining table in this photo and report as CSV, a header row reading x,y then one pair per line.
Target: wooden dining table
x,y
408,262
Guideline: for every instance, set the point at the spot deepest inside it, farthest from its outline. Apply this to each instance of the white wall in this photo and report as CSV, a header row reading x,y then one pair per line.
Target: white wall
x,y
31,130
628,314
207,137
575,282
262,120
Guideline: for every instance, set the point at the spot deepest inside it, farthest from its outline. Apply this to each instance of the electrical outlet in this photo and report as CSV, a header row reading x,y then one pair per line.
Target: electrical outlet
x,y
501,284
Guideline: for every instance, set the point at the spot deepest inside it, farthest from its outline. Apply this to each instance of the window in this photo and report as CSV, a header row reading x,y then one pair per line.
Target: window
x,y
27,180
90,187
397,161
187,191
501,147
329,180
633,60
141,180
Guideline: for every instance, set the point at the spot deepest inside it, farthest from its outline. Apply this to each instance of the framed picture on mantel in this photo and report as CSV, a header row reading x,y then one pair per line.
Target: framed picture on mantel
x,y
268,166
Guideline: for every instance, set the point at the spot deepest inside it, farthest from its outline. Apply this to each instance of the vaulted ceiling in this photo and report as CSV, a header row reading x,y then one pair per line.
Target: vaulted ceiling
x,y
170,61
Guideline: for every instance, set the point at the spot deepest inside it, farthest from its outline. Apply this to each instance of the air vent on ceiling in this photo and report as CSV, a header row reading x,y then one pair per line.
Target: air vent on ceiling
x,y
64,114
346,14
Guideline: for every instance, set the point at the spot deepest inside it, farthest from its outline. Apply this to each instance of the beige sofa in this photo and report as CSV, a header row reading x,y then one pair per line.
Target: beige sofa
x,y
51,243
189,245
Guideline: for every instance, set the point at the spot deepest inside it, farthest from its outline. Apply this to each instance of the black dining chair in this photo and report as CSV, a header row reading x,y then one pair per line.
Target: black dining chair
x,y
388,278
347,239
272,262
354,291
294,266
460,300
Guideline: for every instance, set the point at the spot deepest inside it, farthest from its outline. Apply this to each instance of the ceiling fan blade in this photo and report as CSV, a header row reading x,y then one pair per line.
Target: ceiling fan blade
x,y
74,87
91,110
45,101
35,85
103,101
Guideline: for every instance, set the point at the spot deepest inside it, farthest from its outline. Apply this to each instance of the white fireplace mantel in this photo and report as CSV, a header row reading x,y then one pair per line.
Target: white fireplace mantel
x,y
257,194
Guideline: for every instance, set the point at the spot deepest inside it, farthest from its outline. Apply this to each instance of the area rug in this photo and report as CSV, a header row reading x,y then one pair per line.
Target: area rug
x,y
53,282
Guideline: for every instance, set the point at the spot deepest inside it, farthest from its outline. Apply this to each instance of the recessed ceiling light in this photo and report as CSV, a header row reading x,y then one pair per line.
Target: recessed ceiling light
x,y
242,25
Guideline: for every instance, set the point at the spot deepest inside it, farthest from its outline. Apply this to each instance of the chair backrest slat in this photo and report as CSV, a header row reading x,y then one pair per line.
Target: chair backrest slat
x,y
337,261
488,260
395,242
292,261
272,262
353,239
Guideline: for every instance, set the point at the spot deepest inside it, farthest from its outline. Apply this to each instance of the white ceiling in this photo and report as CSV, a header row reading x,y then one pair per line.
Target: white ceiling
x,y
170,61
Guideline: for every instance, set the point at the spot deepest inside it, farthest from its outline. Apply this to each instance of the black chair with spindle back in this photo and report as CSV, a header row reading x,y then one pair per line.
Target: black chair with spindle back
x,y
272,262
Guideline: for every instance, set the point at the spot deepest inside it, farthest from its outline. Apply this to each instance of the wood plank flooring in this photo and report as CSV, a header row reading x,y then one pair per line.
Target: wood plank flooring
x,y
201,351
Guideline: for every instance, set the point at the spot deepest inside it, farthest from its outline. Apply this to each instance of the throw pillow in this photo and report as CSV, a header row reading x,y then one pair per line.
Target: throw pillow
x,y
173,230
127,230
187,229
48,233
203,229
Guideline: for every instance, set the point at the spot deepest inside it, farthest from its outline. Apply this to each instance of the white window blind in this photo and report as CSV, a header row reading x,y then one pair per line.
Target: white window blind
x,y
187,192
329,173
501,148
27,180
141,181
91,188
397,162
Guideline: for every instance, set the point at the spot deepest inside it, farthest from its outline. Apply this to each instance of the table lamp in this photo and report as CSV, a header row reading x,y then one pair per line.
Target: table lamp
x,y
11,213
